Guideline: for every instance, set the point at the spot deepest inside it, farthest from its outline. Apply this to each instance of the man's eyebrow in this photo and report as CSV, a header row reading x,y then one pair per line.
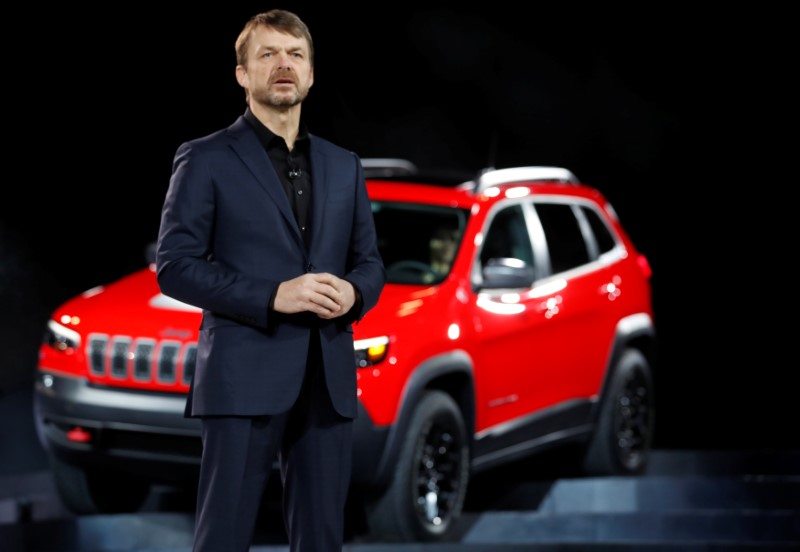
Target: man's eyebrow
x,y
272,48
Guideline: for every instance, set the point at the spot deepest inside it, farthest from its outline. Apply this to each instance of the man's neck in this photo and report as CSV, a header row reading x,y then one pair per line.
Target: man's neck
x,y
282,122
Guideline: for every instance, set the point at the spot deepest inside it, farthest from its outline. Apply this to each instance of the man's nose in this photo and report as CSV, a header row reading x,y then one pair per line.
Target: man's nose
x,y
284,60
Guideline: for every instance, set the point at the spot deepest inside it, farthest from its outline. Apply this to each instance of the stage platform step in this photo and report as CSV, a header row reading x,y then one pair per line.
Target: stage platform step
x,y
665,511
687,501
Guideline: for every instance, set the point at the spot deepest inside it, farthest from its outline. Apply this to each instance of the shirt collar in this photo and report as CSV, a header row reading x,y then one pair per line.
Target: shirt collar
x,y
266,136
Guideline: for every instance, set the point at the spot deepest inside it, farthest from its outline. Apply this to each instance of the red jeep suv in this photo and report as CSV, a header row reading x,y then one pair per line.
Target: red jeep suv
x,y
517,316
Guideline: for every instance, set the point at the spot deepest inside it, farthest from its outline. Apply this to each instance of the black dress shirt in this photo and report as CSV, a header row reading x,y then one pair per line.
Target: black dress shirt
x,y
293,169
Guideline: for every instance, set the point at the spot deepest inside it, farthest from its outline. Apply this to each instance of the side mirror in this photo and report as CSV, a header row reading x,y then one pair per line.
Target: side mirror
x,y
507,273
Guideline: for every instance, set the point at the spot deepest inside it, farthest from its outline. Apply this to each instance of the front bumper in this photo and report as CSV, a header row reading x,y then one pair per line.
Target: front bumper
x,y
143,432
146,432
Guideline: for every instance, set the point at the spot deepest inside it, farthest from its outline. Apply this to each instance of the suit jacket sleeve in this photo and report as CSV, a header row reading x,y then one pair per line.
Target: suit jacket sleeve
x,y
225,245
185,264
365,267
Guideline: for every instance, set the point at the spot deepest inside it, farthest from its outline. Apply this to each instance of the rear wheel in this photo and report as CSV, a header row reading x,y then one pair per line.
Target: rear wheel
x,y
624,431
97,491
426,495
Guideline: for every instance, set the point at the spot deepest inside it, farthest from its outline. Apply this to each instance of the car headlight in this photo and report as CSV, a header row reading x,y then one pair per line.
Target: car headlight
x,y
60,337
370,351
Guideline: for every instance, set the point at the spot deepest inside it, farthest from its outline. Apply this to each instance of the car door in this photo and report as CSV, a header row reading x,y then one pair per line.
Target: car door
x,y
509,326
579,309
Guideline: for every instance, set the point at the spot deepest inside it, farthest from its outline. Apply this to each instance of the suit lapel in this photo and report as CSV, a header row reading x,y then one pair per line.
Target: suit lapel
x,y
246,145
319,190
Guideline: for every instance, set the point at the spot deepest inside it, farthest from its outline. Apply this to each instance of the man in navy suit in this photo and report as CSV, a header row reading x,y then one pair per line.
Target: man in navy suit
x,y
268,229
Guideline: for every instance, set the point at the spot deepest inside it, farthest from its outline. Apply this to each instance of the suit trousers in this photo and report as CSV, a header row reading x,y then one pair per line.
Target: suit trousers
x,y
313,444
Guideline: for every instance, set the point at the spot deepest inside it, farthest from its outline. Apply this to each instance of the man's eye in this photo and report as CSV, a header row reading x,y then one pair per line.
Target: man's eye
x,y
266,54
297,55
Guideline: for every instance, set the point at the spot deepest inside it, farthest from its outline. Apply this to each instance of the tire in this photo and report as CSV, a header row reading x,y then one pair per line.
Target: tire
x,y
434,456
85,492
623,434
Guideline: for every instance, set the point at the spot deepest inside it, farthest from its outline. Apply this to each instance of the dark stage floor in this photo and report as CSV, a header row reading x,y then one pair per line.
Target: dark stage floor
x,y
688,500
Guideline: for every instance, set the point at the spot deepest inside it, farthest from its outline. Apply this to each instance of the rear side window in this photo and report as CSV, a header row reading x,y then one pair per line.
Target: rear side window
x,y
602,235
565,241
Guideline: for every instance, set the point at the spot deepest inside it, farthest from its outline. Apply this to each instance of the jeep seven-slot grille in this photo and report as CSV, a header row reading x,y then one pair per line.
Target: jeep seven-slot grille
x,y
143,360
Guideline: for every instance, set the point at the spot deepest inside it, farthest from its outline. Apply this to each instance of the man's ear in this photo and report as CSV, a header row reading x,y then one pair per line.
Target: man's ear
x,y
241,76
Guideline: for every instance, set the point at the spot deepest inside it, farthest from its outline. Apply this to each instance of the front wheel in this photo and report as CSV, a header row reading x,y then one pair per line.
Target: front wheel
x,y
623,435
426,495
97,491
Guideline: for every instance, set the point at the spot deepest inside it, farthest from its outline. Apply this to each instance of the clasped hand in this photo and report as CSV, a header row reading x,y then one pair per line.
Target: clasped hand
x,y
324,294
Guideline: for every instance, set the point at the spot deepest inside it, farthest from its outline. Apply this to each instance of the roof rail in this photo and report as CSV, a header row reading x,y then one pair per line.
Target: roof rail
x,y
387,167
495,177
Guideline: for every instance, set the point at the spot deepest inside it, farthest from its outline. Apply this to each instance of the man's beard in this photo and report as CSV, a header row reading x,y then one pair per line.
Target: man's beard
x,y
275,99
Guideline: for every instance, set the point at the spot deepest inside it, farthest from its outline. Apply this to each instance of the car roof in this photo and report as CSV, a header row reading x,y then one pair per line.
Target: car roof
x,y
400,180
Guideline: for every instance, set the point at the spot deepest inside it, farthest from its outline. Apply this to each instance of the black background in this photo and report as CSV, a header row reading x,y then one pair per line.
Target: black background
x,y
684,120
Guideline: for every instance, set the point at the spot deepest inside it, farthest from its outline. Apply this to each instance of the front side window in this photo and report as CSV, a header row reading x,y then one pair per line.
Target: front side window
x,y
507,237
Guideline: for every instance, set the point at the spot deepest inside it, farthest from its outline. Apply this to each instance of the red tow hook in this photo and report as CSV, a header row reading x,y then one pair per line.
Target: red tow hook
x,y
79,435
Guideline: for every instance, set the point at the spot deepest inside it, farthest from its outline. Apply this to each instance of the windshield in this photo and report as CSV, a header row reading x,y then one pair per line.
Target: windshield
x,y
418,243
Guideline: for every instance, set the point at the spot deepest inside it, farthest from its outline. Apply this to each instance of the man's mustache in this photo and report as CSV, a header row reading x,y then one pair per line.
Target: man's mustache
x,y
284,76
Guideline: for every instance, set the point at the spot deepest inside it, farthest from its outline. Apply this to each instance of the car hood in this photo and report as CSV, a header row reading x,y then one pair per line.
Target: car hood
x,y
131,305
399,305
135,305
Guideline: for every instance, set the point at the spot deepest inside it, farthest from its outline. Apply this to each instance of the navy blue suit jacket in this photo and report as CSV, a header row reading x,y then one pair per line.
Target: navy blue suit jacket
x,y
228,237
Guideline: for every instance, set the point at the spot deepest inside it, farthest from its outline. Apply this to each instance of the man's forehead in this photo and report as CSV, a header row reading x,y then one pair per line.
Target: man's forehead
x,y
268,38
